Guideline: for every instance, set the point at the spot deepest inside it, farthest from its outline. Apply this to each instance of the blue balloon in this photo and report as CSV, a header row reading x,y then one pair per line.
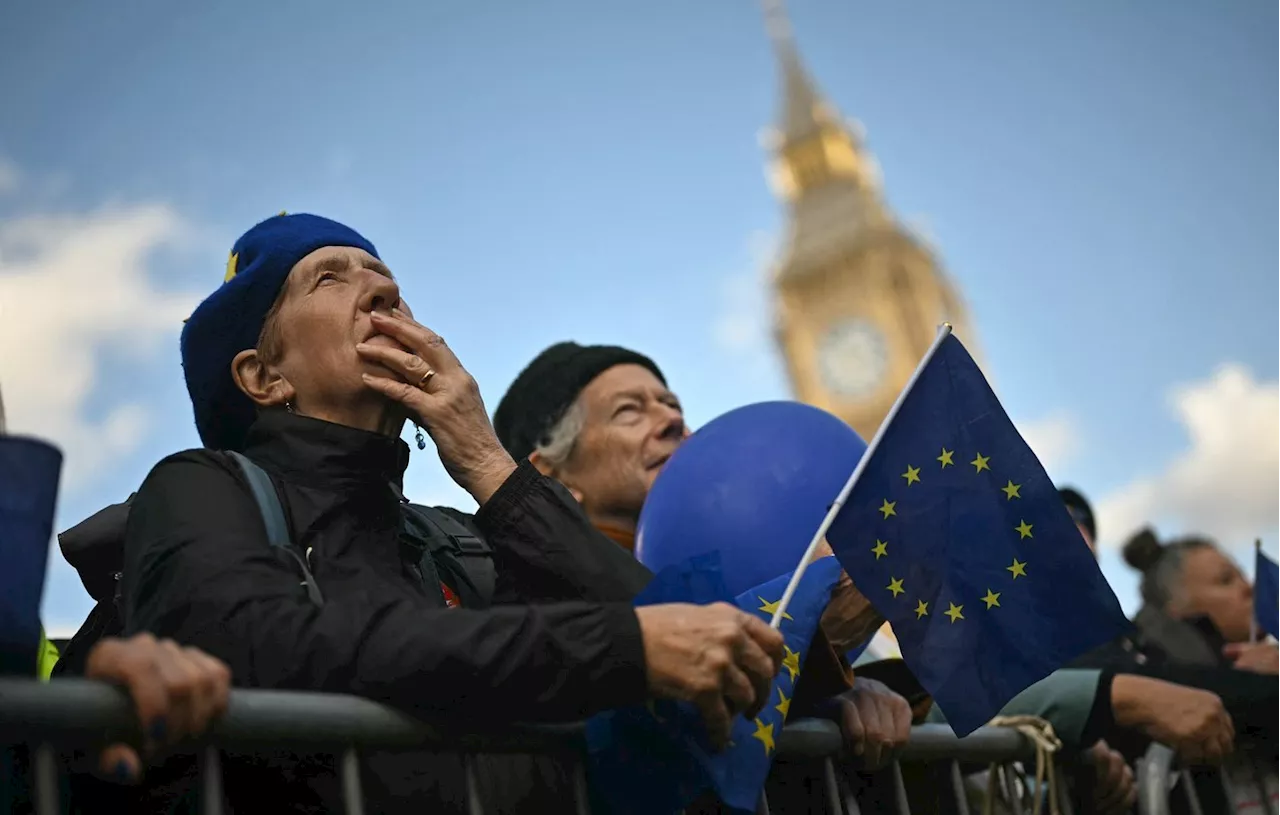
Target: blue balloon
x,y
753,485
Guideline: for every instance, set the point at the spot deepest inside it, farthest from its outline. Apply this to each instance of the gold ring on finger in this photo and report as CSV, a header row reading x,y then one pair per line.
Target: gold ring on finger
x,y
422,383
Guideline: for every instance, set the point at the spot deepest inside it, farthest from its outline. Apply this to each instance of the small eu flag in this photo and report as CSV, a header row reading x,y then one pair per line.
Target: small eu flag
x,y
1266,594
957,536
656,758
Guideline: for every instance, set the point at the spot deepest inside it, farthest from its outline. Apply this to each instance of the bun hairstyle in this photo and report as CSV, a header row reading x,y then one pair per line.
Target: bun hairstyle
x,y
1160,564
1143,550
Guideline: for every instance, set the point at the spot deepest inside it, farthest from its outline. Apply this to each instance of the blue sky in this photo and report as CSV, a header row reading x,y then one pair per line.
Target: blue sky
x,y
1099,178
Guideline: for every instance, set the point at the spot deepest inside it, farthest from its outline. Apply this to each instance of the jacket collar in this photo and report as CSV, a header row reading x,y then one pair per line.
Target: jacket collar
x,y
320,453
1195,641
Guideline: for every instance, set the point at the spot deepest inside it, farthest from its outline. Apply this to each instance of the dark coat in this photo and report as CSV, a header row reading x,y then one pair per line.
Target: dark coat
x,y
1189,653
198,569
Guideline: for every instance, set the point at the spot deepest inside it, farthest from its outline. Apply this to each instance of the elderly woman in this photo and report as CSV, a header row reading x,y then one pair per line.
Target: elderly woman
x,y
307,361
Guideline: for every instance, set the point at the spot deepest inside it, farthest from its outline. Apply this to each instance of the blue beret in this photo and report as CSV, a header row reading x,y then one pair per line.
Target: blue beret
x,y
230,320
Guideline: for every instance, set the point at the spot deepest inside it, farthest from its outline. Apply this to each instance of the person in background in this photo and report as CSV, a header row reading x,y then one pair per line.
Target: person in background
x,y
307,361
1197,604
1198,611
1220,699
1082,513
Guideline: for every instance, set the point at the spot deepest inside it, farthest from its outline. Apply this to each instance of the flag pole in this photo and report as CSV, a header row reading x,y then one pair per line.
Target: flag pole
x,y
944,331
1253,619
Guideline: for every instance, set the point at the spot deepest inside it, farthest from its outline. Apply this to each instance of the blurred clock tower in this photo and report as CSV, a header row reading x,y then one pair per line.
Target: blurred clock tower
x,y
857,297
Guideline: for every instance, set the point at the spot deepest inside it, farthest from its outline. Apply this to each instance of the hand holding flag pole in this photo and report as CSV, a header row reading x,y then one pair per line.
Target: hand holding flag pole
x,y
944,331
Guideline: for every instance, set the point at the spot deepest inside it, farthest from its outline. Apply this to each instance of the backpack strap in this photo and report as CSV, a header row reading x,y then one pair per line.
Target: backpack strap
x,y
472,553
277,526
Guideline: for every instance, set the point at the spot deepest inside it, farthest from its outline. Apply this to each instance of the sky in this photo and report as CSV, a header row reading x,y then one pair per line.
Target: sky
x,y
1098,177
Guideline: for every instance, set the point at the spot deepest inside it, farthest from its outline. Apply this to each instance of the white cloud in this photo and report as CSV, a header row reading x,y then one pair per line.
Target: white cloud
x,y
74,291
743,324
1226,483
1054,439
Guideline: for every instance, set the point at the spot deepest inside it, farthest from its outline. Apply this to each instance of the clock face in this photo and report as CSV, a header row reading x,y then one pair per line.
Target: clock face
x,y
853,358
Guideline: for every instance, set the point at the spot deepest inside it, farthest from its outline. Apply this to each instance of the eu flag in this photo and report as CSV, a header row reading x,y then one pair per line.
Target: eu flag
x,y
1266,594
656,758
956,535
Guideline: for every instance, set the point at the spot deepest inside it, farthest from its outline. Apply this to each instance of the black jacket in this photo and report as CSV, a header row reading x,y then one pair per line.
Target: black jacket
x,y
1252,700
198,569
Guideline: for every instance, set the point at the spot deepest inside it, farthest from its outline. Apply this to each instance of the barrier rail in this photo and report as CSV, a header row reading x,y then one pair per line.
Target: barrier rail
x,y
78,713
1161,781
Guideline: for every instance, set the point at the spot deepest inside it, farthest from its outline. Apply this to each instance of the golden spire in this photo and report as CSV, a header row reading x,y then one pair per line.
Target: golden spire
x,y
803,108
813,145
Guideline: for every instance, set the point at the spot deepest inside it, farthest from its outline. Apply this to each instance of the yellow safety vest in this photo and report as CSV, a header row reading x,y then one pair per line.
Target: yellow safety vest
x,y
46,658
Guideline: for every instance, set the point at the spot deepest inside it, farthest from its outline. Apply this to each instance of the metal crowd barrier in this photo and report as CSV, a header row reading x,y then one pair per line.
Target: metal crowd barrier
x,y
69,713
1161,782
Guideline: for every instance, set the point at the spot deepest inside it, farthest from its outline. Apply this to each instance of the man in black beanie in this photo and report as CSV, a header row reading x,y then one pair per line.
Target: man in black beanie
x,y
602,421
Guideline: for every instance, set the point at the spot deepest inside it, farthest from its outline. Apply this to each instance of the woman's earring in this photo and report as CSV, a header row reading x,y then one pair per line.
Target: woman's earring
x,y
422,442
288,406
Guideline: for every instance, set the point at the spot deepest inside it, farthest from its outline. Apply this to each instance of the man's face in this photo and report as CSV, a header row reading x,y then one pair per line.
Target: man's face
x,y
633,424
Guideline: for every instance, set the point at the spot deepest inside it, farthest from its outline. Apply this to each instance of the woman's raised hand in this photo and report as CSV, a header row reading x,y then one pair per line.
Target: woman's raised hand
x,y
444,398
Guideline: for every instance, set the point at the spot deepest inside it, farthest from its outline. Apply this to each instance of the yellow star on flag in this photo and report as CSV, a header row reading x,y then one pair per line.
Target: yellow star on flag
x,y
954,612
772,608
922,609
784,705
1024,530
231,267
880,549
980,463
912,475
887,508
945,458
764,733
895,586
992,599
1011,490
1018,568
791,661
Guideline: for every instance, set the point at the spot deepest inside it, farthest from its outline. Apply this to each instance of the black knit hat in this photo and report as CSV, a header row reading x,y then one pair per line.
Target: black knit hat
x,y
548,386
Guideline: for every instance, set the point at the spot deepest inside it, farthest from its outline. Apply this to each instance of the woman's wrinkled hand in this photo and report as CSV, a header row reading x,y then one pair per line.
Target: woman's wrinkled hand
x,y
177,692
1109,780
1192,722
443,398
875,722
718,657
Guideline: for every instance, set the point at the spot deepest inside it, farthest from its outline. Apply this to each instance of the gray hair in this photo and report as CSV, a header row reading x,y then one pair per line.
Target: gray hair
x,y
556,445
